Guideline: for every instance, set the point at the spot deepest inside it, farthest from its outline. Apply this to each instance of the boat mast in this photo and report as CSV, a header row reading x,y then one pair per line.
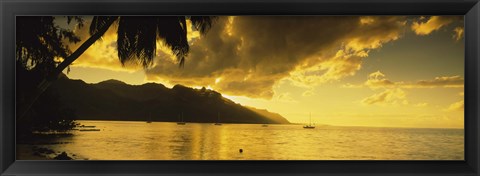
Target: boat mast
x,y
310,119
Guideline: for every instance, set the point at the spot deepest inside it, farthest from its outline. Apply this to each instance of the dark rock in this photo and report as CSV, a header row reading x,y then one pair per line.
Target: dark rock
x,y
63,156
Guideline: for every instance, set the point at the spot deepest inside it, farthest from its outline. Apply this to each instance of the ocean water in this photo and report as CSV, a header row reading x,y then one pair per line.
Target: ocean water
x,y
121,140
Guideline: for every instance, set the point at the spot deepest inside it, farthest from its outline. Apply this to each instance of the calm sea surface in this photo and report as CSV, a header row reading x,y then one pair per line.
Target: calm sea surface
x,y
120,140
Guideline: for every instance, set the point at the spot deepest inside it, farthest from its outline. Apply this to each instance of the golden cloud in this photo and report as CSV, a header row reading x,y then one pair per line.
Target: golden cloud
x,y
444,81
432,24
389,96
335,64
284,97
252,54
377,80
393,93
458,33
457,106
308,93
421,105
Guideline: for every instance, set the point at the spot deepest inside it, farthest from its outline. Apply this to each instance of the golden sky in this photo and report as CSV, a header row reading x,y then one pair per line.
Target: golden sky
x,y
390,71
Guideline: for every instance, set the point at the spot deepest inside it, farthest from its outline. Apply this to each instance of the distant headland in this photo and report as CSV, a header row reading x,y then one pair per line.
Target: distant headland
x,y
116,100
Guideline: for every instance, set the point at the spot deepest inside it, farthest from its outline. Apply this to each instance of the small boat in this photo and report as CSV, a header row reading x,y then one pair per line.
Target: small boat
x,y
89,130
309,126
264,125
86,126
218,120
182,122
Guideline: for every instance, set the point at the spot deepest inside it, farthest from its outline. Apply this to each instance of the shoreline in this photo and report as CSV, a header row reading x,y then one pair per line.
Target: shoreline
x,y
111,120
39,152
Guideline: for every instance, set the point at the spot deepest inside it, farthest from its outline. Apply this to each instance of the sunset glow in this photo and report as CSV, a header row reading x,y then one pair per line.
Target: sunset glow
x,y
383,71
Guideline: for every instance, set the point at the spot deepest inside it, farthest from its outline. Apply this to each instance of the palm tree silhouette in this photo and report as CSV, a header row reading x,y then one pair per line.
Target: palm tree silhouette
x,y
38,43
136,42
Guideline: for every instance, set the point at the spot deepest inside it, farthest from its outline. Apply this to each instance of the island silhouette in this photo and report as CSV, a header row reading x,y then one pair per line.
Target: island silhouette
x,y
116,100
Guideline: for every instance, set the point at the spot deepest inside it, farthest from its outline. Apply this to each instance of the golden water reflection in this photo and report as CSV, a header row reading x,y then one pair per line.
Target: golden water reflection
x,y
195,141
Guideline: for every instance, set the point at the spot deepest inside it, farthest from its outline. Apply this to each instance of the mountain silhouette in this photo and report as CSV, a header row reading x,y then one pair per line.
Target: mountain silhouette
x,y
116,100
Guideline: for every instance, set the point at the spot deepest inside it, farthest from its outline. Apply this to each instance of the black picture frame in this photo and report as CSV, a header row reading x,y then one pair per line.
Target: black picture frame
x,y
11,8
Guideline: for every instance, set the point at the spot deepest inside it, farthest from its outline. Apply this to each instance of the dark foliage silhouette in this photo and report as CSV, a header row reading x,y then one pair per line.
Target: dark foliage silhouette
x,y
136,43
48,114
137,35
38,45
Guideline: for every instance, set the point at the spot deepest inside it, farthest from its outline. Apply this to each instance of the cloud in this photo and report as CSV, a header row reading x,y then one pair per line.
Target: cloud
x,y
458,33
393,91
350,85
389,96
284,97
432,24
377,80
457,106
421,105
253,53
444,81
308,93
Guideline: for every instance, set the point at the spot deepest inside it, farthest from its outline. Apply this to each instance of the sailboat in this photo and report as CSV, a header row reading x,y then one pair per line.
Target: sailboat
x,y
309,126
181,122
218,120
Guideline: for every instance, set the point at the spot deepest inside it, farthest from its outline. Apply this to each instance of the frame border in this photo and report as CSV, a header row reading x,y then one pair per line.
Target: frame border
x,y
10,8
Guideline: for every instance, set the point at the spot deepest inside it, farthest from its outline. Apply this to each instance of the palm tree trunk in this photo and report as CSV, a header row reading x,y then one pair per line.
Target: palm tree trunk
x,y
48,80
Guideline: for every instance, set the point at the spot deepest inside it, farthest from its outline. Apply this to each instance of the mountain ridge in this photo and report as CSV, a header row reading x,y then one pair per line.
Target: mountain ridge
x,y
117,100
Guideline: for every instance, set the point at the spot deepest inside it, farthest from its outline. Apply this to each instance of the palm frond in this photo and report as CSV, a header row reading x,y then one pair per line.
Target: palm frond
x,y
202,23
99,22
137,36
126,39
137,39
80,21
173,31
